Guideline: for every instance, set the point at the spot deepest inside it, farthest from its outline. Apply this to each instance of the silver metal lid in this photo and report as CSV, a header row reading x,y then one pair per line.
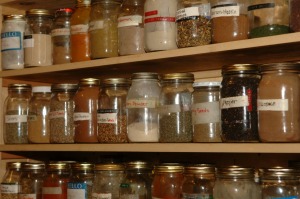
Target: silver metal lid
x,y
207,84
64,87
144,75
39,12
19,87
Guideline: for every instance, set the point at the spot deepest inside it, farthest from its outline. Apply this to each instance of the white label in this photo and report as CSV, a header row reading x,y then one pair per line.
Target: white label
x,y
80,116
273,104
101,195
15,118
225,11
132,20
187,12
141,103
80,28
28,41
52,190
76,193
57,114
60,32
7,188
27,196
207,112
107,118
95,25
234,102
196,196
11,41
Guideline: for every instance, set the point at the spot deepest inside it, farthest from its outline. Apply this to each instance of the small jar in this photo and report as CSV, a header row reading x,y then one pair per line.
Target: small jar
x,y
239,103
10,184
279,103
104,28
206,112
294,16
108,178
12,34
61,36
160,26
61,115
268,17
16,108
85,113
37,39
167,181
229,20
193,23
111,117
175,115
142,108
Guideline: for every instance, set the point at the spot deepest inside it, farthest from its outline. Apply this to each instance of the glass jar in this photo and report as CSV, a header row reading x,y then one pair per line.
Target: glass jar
x,y
31,180
61,36
193,23
279,103
142,108
239,103
206,112
294,16
38,118
37,39
61,115
12,34
104,28
229,20
85,113
167,181
131,28
111,118
160,26
108,178
268,17
10,186
80,38
16,108
175,115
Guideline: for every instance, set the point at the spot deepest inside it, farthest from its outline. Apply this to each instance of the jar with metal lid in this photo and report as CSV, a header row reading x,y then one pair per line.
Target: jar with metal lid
x,y
193,23
85,113
175,115
198,181
294,15
31,180
142,108
37,39
239,103
61,115
167,181
61,36
111,117
104,28
12,35
206,112
16,108
10,184
279,103
108,178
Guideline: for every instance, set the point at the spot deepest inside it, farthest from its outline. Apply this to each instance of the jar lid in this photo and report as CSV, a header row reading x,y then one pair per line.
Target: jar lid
x,y
12,17
66,11
178,76
134,165
83,3
58,166
206,84
41,89
116,81
89,81
200,169
13,165
169,168
144,75
64,87
288,66
240,69
279,172
32,166
83,166
19,87
107,1
235,171
109,167
39,12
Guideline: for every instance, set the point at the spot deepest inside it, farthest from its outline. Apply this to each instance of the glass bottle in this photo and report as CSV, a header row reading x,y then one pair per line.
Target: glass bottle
x,y
85,113
10,184
112,120
175,116
294,16
16,108
142,108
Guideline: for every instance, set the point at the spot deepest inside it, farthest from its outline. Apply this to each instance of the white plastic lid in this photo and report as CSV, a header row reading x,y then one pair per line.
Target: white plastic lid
x,y
41,89
200,84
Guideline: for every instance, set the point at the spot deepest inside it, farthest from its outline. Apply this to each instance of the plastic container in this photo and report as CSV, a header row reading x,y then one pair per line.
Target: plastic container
x,y
10,184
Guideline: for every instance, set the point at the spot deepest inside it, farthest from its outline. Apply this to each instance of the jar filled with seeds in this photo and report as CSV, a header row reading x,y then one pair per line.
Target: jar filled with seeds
x,y
111,118
175,115
193,23
16,108
62,105
10,184
294,16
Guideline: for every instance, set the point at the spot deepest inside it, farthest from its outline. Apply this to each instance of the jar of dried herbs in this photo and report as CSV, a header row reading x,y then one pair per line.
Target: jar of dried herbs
x,y
10,183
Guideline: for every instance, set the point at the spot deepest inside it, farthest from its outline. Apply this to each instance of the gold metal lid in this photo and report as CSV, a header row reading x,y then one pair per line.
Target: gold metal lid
x,y
53,166
89,81
107,1
13,165
116,82
39,12
235,172
19,87
279,172
32,166
83,166
169,168
288,66
83,3
200,169
109,167
13,17
178,76
240,69
136,165
145,75
64,87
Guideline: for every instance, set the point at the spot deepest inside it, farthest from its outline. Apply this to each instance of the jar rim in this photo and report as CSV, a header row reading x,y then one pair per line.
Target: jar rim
x,y
235,171
32,166
13,16
89,81
116,82
64,87
19,87
285,66
240,69
109,167
169,168
200,169
178,76
39,12
145,75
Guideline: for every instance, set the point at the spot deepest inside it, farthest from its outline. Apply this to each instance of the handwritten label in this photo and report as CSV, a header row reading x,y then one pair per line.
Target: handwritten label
x,y
132,20
141,103
234,102
96,25
273,104
101,195
226,10
81,116
60,32
107,116
11,41
52,190
9,188
57,114
206,112
201,10
80,28
15,118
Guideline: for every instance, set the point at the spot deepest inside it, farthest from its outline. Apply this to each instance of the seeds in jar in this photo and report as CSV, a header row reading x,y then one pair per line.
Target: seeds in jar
x,y
16,128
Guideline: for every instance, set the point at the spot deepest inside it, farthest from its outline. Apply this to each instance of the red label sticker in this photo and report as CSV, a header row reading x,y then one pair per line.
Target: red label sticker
x,y
249,94
154,19
149,13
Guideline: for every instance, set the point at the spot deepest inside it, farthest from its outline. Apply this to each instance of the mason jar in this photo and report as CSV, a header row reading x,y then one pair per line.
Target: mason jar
x,y
10,184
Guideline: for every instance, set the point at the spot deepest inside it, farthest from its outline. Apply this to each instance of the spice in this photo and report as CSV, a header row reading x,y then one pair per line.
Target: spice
x,y
269,30
10,182
141,132
107,131
295,15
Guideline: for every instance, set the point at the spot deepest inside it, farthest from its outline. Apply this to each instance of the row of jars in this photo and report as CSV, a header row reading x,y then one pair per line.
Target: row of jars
x,y
108,28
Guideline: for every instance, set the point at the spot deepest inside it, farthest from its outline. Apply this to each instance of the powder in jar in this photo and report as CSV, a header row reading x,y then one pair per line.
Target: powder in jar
x,y
141,132
131,40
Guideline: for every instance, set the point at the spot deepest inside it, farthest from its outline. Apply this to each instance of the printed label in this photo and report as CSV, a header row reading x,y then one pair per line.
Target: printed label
x,y
11,41
80,116
96,25
27,196
234,102
133,20
80,28
107,116
101,195
201,10
15,118
175,108
9,188
196,196
76,190
141,103
207,112
261,6
60,32
52,190
32,118
57,114
273,104
28,41
156,19
226,10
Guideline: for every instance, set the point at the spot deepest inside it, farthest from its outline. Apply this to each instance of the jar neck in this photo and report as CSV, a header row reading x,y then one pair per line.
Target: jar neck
x,y
133,3
20,93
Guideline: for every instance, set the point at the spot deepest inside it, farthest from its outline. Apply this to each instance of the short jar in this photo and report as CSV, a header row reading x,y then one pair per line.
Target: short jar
x,y
10,184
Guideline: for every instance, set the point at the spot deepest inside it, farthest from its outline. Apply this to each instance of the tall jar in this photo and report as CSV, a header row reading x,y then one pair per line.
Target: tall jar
x,y
206,115
10,184
108,178
80,37
160,26
193,23
131,28
294,16
268,17
142,108
16,108
111,117
85,113
229,20
279,103
239,103
175,115
38,118
12,35
104,28
37,39
61,36
61,115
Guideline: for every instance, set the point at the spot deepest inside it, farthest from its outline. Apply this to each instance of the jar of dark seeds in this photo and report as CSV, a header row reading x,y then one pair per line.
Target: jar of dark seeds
x,y
10,182
239,103
175,115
